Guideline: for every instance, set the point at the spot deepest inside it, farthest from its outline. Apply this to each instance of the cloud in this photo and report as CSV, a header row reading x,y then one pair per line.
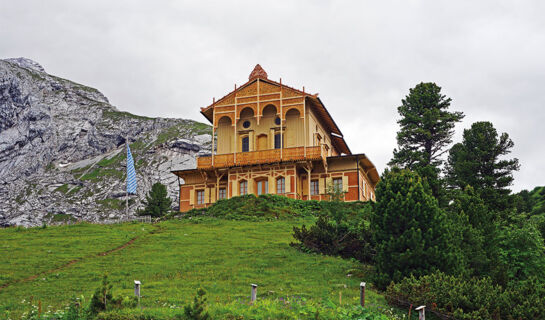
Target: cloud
x,y
169,58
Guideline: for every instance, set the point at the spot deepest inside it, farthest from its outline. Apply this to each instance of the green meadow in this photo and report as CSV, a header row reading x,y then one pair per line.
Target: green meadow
x,y
172,259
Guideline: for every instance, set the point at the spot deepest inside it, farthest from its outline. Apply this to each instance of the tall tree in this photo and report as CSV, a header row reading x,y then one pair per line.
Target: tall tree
x,y
411,233
426,129
476,161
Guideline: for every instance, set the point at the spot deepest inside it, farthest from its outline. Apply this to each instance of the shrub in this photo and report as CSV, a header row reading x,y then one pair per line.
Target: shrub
x,y
103,299
474,298
268,206
196,310
338,233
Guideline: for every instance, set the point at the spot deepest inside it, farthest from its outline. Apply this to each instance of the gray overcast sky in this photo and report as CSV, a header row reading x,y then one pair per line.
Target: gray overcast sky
x,y
169,58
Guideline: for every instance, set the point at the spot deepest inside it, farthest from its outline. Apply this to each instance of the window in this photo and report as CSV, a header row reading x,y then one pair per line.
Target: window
x,y
246,124
338,184
222,194
245,144
280,185
277,121
243,187
278,141
200,196
262,187
314,190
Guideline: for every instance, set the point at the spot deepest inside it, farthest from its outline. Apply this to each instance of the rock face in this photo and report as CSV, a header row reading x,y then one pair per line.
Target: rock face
x,y
62,149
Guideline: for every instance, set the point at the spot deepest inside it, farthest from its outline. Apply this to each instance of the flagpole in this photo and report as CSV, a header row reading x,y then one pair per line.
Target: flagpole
x,y
127,182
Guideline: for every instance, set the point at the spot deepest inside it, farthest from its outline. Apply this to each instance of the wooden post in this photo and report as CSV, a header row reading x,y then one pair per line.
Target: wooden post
x,y
305,124
362,294
258,107
137,290
213,128
281,121
235,127
254,293
421,312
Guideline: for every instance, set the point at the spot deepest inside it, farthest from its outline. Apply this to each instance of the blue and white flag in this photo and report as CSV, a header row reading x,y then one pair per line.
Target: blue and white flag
x,y
131,174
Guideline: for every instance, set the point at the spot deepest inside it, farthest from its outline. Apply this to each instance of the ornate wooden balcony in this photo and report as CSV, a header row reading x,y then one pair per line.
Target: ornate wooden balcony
x,y
261,157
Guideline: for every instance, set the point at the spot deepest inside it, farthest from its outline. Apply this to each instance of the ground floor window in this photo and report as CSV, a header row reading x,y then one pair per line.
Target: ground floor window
x,y
243,187
200,196
262,187
280,185
338,184
314,187
222,194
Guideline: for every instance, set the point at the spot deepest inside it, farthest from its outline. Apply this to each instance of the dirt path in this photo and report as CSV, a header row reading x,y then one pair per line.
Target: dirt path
x,y
71,262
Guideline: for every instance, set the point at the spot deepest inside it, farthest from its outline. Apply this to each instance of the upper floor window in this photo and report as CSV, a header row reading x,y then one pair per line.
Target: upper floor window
x,y
280,185
200,196
222,194
245,144
314,189
278,141
246,124
243,187
338,184
277,121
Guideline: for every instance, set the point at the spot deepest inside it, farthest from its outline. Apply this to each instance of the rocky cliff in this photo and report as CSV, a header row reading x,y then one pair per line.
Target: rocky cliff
x,y
62,154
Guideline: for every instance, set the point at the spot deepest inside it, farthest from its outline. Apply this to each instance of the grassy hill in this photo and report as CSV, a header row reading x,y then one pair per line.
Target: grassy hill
x,y
172,259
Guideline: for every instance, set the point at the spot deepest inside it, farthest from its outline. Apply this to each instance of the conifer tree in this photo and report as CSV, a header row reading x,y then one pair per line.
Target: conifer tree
x,y
157,202
426,129
476,162
411,232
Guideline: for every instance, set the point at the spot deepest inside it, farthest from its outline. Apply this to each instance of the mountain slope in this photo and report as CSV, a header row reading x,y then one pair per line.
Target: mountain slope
x,y
62,149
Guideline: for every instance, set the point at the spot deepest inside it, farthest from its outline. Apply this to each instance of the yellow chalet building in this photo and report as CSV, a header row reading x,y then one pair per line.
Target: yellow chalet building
x,y
268,138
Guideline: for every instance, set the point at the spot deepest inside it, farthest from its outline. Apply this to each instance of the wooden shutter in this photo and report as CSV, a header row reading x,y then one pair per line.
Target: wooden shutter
x,y
272,185
192,196
329,183
250,186
235,187
287,184
271,140
212,195
206,195
321,186
345,184
252,141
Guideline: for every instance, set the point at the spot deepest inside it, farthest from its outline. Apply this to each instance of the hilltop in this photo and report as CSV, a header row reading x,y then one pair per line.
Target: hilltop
x,y
62,153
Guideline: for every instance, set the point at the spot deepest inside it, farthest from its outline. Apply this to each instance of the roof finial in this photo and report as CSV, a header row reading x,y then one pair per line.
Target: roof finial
x,y
258,73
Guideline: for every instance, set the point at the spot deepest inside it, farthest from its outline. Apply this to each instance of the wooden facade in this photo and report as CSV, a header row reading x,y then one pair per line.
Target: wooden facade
x,y
270,138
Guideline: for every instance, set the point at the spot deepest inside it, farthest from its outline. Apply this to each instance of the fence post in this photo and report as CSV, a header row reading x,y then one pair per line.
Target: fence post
x,y
362,294
421,312
254,293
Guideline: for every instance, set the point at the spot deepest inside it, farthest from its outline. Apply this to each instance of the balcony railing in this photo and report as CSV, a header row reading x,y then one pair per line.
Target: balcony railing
x,y
261,157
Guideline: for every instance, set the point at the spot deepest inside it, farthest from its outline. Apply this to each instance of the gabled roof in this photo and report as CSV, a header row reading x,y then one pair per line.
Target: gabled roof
x,y
316,105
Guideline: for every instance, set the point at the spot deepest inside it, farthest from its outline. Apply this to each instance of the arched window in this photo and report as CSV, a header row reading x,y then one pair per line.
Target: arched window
x,y
243,187
280,185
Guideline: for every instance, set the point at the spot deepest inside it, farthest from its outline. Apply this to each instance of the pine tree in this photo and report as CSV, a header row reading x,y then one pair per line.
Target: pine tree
x,y
476,162
411,232
157,202
426,129
476,229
